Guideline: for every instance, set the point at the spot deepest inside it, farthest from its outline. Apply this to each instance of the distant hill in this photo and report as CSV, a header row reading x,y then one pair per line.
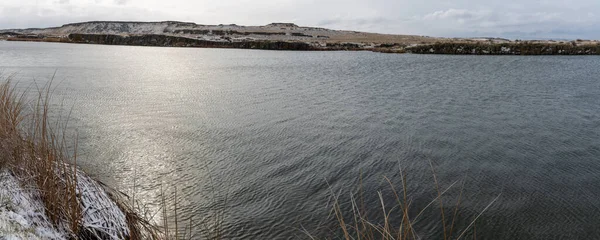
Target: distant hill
x,y
286,36
221,32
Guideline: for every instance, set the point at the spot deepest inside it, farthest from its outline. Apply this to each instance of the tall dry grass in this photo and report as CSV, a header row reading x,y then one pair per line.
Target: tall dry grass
x,y
34,151
10,117
208,225
397,223
37,152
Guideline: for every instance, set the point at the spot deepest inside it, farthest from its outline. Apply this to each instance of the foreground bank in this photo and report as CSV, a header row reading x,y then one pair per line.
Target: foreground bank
x,y
43,195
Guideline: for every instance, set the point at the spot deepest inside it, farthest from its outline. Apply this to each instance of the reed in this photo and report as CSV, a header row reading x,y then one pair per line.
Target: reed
x,y
34,152
396,221
209,225
37,152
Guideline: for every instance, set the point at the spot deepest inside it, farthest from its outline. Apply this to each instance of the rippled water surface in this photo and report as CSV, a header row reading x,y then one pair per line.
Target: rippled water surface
x,y
268,135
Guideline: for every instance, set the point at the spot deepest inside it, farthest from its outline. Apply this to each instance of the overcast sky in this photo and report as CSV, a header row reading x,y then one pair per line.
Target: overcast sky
x,y
568,19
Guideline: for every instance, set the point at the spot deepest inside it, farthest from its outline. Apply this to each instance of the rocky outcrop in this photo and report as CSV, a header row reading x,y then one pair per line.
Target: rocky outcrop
x,y
264,33
344,46
285,25
296,34
173,41
10,34
279,36
191,31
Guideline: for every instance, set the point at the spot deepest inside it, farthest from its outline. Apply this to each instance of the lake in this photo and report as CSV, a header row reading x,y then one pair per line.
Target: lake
x,y
268,137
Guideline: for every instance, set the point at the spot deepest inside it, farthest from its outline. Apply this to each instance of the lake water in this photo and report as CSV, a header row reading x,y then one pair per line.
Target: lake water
x,y
268,135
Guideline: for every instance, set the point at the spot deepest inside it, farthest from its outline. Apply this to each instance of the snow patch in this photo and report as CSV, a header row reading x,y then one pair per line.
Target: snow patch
x,y
101,216
22,214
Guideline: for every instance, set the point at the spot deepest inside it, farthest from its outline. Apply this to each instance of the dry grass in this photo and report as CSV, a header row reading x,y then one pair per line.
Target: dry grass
x,y
32,150
397,223
209,225
10,117
37,152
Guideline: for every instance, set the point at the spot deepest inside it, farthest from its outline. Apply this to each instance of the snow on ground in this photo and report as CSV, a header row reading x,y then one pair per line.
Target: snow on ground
x,y
169,28
221,33
102,217
22,213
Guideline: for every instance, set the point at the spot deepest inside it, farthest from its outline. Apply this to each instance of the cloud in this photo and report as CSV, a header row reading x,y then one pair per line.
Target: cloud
x,y
353,21
459,14
478,23
50,15
122,2
371,24
329,22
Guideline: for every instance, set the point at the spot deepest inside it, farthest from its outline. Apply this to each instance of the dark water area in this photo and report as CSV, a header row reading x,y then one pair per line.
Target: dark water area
x,y
269,135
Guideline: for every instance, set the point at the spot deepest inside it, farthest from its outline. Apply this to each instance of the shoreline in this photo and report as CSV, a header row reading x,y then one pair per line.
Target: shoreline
x,y
524,48
23,214
175,41
44,195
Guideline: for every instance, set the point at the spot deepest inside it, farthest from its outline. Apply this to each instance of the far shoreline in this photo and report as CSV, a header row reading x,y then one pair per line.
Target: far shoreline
x,y
519,48
180,42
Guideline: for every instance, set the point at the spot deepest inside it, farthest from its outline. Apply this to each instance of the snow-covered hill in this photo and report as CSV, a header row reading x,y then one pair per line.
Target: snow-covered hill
x,y
231,32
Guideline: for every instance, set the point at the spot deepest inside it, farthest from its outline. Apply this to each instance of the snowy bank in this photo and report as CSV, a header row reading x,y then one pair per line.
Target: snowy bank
x,y
23,215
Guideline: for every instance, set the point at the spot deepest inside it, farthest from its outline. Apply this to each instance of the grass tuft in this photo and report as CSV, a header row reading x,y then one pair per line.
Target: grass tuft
x,y
36,151
396,221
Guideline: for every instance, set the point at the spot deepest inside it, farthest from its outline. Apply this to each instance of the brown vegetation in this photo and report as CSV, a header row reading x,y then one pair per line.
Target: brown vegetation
x,y
35,150
516,48
398,223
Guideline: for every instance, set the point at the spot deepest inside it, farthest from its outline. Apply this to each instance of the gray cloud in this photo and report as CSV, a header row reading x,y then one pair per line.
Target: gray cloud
x,y
359,24
456,14
122,2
